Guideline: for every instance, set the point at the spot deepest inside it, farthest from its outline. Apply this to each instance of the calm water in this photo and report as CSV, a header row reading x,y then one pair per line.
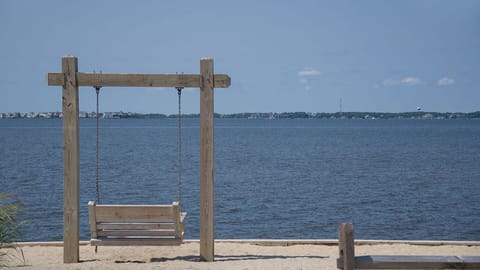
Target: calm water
x,y
394,179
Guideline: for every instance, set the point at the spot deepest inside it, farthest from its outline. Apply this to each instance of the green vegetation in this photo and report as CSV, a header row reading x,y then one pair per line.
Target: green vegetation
x,y
355,115
9,226
308,115
262,115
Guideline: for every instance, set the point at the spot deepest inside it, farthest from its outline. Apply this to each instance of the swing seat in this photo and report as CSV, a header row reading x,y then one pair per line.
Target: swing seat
x,y
136,225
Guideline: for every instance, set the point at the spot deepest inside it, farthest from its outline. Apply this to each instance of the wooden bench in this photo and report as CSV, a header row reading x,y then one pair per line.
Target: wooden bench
x,y
348,261
136,225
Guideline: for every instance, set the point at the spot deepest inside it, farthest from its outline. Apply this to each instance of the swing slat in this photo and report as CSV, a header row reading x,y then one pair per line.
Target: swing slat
x,y
134,213
135,233
135,226
137,242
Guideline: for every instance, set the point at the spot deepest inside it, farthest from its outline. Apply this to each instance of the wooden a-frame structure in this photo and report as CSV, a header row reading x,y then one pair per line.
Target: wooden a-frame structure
x,y
70,80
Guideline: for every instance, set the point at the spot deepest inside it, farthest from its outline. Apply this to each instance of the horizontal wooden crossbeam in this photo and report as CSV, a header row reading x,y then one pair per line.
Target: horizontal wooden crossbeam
x,y
139,80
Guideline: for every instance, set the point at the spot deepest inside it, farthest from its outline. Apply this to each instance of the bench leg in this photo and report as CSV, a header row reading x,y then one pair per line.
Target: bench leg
x,y
346,247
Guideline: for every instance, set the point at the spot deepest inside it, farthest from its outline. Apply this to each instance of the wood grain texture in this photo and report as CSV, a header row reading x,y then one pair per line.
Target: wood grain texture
x,y
134,213
136,224
137,242
348,260
206,161
92,219
139,80
346,247
137,233
71,160
70,80
417,262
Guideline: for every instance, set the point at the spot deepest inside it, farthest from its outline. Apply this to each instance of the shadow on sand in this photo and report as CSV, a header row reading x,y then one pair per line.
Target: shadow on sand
x,y
223,258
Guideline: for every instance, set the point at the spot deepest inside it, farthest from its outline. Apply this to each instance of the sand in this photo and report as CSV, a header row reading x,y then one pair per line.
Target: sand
x,y
228,255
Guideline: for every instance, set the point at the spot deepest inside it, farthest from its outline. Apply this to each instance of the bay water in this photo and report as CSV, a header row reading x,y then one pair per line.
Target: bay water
x,y
297,178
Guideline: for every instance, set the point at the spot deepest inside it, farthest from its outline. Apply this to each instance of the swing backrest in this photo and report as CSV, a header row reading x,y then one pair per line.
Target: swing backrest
x,y
136,224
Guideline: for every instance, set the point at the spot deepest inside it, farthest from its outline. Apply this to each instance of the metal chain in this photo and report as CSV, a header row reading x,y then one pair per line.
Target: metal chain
x,y
97,186
180,165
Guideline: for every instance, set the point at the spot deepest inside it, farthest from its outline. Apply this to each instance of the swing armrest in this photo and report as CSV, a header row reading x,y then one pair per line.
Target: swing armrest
x,y
183,215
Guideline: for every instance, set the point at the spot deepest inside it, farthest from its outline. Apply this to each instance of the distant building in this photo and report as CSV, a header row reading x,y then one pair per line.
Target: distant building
x,y
427,116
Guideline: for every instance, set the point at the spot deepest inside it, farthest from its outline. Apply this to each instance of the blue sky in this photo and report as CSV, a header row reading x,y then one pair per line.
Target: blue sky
x,y
381,56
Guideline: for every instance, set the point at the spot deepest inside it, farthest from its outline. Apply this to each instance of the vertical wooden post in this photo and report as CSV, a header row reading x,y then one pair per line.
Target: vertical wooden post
x,y
206,161
71,163
346,246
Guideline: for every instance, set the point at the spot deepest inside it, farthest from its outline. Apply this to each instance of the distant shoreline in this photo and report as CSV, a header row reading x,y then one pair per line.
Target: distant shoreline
x,y
256,115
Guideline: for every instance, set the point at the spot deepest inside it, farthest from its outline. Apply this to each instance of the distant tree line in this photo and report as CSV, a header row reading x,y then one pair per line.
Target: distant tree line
x,y
270,115
355,115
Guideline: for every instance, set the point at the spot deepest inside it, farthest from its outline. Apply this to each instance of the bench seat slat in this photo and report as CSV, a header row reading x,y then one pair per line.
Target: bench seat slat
x,y
348,261
137,242
414,262
406,262
136,225
136,233
470,262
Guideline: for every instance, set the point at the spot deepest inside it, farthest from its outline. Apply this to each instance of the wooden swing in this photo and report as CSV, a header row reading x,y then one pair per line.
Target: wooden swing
x,y
70,80
137,225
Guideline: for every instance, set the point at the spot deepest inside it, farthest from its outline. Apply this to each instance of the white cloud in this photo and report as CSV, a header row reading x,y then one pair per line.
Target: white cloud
x,y
304,75
445,81
305,83
407,81
309,72
303,80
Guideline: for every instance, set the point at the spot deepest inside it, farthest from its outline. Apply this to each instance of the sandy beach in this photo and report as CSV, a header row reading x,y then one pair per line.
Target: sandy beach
x,y
320,254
